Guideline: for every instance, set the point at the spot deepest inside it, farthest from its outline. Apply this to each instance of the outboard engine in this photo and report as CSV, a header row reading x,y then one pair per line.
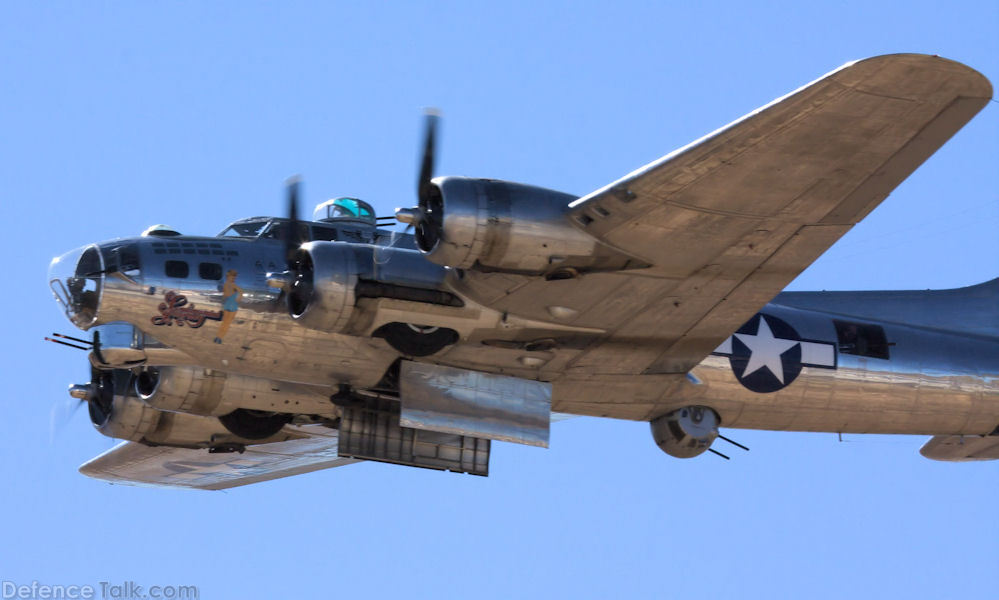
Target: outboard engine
x,y
201,391
499,226
113,412
117,413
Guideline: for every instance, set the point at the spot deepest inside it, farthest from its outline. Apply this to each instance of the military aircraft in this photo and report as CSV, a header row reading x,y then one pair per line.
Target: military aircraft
x,y
284,346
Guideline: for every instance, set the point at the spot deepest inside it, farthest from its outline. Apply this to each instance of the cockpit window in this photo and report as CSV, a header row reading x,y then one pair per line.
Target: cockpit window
x,y
276,231
344,208
124,258
350,207
244,229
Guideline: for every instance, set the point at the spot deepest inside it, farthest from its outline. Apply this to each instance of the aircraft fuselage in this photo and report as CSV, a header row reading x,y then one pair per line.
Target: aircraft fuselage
x,y
800,364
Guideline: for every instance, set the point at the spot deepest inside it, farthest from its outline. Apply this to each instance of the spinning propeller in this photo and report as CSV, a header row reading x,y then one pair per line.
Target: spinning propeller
x,y
293,237
98,394
427,216
297,269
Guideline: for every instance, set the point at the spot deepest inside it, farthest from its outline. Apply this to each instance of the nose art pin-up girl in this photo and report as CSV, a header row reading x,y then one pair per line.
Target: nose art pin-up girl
x,y
231,294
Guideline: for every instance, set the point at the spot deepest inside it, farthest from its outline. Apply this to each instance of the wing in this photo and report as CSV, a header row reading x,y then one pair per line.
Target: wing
x,y
962,447
159,466
729,220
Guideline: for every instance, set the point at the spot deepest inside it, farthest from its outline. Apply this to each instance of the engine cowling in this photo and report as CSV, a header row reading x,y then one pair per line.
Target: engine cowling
x,y
500,226
322,294
113,412
328,278
200,391
117,413
686,432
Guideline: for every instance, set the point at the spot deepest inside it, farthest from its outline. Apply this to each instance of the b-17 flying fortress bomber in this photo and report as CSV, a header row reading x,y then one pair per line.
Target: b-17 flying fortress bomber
x,y
283,346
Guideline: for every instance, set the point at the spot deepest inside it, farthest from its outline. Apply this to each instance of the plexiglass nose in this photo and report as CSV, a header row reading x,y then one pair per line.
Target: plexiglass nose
x,y
77,280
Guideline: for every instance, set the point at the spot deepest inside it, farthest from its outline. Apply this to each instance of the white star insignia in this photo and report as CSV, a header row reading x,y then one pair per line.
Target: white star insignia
x,y
765,350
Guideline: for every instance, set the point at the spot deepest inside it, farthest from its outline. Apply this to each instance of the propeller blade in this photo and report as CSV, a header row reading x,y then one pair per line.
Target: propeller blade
x,y
53,423
291,236
427,162
61,413
76,408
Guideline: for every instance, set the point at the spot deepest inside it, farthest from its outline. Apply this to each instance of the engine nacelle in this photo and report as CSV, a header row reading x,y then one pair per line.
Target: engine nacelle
x,y
322,294
329,277
686,432
117,413
200,391
500,226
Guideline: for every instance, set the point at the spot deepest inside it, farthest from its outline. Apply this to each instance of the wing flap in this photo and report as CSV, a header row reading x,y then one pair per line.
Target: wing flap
x,y
131,463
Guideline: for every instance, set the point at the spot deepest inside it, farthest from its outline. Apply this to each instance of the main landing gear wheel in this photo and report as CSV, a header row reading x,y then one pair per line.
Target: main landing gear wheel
x,y
416,340
254,424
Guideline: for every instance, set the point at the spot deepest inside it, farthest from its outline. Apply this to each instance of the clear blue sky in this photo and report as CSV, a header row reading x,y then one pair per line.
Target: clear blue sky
x,y
118,115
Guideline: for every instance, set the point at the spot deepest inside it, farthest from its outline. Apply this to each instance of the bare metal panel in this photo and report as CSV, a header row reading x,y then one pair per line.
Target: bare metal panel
x,y
372,432
728,220
933,381
927,308
962,448
497,407
131,463
120,345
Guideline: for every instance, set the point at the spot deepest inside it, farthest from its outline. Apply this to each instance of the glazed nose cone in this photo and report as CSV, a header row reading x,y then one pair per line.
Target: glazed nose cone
x,y
77,281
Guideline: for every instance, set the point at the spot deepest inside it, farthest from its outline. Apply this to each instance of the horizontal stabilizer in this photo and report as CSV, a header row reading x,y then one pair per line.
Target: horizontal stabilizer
x,y
962,447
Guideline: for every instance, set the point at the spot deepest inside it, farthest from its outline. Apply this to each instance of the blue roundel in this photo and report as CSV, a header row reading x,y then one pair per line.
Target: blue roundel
x,y
766,354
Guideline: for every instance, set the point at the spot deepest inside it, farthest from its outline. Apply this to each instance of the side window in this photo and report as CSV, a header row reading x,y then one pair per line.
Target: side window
x,y
128,258
176,268
861,339
324,234
354,235
277,231
209,270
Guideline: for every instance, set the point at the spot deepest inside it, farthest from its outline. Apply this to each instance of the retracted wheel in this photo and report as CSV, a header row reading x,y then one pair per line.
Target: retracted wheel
x,y
416,340
254,424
